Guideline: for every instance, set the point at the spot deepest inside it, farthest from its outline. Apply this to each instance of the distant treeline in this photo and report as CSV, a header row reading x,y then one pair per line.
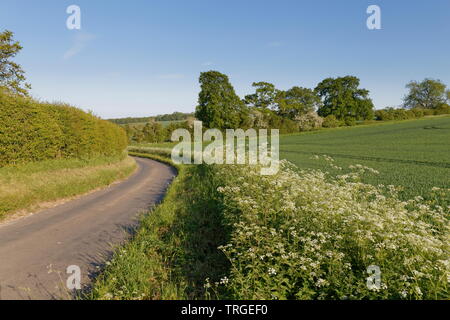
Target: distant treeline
x,y
333,102
390,114
154,132
35,131
176,116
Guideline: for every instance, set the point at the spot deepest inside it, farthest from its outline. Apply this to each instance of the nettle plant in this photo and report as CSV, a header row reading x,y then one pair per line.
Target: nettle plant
x,y
307,235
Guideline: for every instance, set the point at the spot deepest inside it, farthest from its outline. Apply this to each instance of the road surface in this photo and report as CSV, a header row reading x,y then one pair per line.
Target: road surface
x,y
35,251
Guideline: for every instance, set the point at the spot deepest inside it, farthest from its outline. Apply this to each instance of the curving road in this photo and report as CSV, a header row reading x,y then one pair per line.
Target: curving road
x,y
35,251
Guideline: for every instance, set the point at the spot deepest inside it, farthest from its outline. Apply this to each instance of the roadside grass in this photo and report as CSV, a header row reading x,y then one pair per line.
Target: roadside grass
x,y
226,232
219,234
34,185
175,248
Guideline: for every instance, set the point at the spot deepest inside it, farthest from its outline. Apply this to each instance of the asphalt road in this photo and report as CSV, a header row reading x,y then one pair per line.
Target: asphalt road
x,y
35,251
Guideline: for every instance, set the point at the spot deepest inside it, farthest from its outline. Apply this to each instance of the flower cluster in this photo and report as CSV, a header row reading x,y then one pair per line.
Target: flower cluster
x,y
303,234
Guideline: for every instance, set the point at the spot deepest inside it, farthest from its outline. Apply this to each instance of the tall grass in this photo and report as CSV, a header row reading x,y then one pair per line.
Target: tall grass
x,y
175,249
27,186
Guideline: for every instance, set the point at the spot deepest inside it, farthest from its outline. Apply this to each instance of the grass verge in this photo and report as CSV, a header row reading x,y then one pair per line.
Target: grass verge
x,y
175,249
32,186
219,234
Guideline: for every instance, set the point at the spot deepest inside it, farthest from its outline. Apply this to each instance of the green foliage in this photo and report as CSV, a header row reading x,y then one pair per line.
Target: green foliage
x,y
130,120
296,102
219,106
12,76
264,97
330,121
428,94
350,121
343,98
443,108
176,116
390,114
34,131
155,132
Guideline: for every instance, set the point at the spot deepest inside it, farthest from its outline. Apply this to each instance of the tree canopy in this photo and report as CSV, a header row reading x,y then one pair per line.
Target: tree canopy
x,y
296,102
427,94
264,97
12,77
218,105
343,98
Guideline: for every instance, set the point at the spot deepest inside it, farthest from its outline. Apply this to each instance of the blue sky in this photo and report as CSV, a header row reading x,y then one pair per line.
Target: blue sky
x,y
143,57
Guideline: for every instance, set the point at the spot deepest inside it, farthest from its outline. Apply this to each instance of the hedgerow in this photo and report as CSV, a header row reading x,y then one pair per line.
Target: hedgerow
x,y
36,131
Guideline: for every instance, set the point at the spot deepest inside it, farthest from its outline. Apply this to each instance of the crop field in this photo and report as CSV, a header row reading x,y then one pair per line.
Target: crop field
x,y
412,154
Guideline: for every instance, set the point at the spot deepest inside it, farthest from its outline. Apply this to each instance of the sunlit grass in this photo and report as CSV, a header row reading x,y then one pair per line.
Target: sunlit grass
x,y
27,186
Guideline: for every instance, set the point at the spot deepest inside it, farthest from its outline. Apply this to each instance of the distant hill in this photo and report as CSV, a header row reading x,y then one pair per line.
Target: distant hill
x,y
176,116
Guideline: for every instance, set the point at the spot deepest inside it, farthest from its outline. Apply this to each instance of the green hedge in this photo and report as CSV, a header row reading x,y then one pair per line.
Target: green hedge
x,y
35,131
415,113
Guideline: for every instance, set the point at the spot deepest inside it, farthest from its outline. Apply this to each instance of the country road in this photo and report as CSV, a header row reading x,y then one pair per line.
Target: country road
x,y
36,250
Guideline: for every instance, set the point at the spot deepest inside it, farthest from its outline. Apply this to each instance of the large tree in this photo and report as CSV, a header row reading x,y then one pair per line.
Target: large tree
x,y
296,102
218,105
12,77
343,98
428,94
264,97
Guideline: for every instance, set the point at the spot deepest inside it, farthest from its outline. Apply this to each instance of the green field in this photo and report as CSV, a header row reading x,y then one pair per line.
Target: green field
x,y
412,154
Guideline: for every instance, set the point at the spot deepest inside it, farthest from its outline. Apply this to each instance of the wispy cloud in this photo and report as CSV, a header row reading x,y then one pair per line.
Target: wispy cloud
x,y
81,40
171,76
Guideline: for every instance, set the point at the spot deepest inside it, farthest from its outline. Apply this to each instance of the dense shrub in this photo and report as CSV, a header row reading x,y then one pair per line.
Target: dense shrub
x,y
309,121
350,121
418,113
34,131
285,125
398,114
268,119
442,109
155,132
389,114
330,121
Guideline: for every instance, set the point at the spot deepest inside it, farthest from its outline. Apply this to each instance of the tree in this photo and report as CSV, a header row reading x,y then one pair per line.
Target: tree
x,y
12,77
264,96
428,94
343,98
296,102
219,106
